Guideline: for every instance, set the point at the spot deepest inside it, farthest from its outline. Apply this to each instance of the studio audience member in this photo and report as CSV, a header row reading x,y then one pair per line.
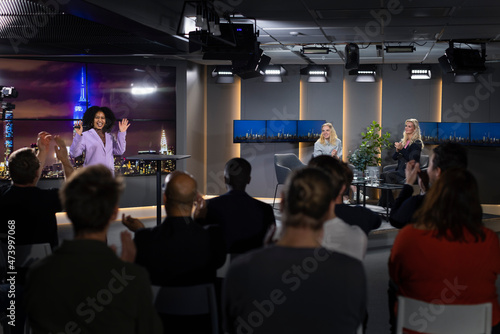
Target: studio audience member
x,y
443,157
179,251
84,287
31,208
337,234
296,285
448,256
407,149
244,221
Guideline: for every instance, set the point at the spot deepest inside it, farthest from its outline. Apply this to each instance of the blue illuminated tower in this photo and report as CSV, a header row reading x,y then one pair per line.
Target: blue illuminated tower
x,y
8,134
82,103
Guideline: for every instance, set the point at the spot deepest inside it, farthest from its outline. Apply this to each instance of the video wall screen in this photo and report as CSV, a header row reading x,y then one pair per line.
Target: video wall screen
x,y
249,131
281,131
429,131
309,131
478,134
454,132
485,134
53,95
275,131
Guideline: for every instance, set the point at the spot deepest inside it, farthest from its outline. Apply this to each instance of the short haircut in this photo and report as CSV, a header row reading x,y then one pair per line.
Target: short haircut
x,y
237,172
449,155
333,167
452,205
180,190
307,198
89,115
90,196
23,166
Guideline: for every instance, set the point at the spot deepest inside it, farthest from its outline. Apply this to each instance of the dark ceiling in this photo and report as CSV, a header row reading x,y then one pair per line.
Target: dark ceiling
x,y
147,28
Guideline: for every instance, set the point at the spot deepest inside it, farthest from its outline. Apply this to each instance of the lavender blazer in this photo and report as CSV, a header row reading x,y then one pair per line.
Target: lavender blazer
x,y
95,151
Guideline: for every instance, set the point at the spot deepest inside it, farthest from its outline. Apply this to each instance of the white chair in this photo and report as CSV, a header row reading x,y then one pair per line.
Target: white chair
x,y
431,318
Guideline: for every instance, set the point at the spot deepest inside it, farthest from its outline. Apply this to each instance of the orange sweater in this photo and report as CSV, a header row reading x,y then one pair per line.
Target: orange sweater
x,y
441,271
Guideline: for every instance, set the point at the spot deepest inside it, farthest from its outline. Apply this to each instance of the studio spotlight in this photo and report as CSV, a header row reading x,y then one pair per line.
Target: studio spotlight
x,y
223,73
316,73
420,72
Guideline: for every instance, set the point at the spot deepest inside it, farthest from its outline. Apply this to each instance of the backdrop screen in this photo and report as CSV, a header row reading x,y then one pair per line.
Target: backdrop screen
x,y
52,95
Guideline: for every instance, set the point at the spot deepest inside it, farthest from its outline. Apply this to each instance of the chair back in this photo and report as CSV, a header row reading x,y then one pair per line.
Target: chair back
x,y
284,164
430,318
424,161
187,300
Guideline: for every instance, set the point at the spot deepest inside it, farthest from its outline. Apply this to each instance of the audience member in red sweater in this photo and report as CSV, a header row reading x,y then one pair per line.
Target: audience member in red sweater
x,y
448,256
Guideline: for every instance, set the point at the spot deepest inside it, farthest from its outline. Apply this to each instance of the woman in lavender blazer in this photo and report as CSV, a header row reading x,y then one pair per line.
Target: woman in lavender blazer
x,y
96,140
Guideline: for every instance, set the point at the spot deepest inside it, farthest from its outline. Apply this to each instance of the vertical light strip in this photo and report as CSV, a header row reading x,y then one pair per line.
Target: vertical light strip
x,y
237,111
344,121
302,101
205,130
380,102
439,107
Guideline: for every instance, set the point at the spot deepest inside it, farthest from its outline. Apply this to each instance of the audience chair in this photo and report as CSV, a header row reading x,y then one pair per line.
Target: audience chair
x,y
443,318
283,165
187,300
424,164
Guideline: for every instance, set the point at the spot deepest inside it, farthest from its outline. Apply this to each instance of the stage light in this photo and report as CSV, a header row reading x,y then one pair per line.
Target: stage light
x,y
223,73
420,72
316,73
314,50
274,73
399,49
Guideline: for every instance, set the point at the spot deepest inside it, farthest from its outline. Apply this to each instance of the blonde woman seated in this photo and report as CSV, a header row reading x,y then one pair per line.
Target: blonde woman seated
x,y
328,143
448,256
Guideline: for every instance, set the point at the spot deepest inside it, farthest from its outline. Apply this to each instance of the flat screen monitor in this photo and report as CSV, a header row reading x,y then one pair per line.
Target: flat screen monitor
x,y
249,131
282,131
454,132
309,130
429,131
485,134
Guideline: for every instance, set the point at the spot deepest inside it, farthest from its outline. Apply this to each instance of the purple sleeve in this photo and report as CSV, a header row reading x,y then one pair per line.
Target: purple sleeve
x,y
120,144
77,146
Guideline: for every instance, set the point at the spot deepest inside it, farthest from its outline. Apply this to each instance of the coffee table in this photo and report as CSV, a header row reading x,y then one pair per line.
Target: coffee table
x,y
365,183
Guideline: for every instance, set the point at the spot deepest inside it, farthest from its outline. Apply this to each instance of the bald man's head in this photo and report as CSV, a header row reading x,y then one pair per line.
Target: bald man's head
x,y
180,193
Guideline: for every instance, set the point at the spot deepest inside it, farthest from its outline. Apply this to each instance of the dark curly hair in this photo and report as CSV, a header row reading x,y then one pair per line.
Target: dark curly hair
x,y
89,115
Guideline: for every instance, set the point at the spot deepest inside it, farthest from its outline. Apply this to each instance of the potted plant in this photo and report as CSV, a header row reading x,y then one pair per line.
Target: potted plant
x,y
372,144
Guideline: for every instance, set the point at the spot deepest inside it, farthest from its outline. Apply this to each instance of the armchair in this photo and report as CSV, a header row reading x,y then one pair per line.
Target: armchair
x,y
283,165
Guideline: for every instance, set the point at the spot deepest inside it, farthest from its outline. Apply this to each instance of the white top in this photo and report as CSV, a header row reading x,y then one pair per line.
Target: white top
x,y
344,238
320,149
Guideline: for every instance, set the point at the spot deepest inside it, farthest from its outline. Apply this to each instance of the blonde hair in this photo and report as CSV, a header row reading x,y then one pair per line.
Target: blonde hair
x,y
333,135
417,135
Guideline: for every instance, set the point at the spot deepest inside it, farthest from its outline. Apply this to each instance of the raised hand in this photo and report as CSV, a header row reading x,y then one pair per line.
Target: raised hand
x,y
79,128
123,125
411,171
43,141
60,148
